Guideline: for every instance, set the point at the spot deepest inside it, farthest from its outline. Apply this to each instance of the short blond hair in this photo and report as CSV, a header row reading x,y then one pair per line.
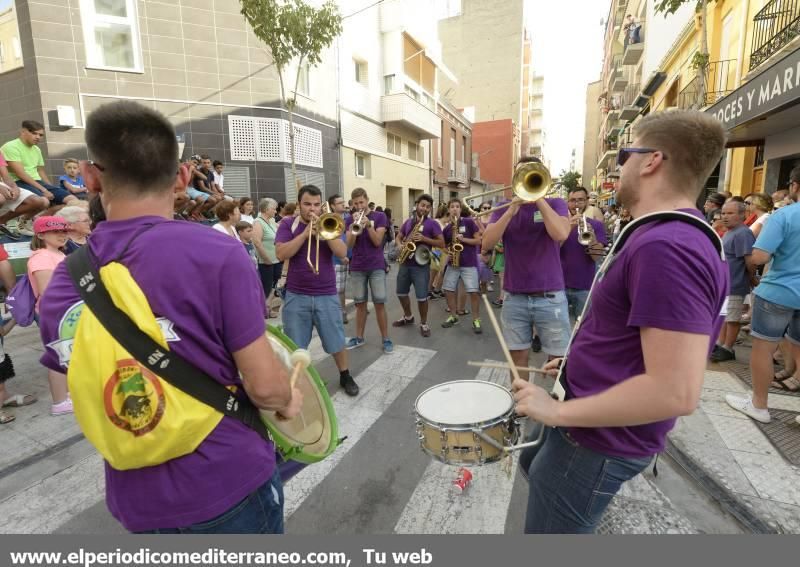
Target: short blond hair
x,y
693,142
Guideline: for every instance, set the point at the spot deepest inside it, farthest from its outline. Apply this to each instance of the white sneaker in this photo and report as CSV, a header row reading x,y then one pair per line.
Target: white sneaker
x,y
62,408
745,405
25,227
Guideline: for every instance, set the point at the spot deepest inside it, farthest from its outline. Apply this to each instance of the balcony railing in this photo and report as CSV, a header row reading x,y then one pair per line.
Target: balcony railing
x,y
403,109
719,84
458,174
773,27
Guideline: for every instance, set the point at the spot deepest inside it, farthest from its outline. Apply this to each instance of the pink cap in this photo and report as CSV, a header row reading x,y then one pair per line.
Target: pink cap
x,y
49,224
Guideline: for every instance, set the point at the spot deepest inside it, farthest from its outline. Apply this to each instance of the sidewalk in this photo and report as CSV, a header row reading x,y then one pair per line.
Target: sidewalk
x,y
730,455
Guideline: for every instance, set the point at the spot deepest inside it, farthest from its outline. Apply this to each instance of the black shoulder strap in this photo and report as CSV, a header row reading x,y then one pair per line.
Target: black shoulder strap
x,y
669,215
162,362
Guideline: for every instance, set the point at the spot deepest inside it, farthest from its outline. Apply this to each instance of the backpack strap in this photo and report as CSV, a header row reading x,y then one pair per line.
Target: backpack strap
x,y
164,363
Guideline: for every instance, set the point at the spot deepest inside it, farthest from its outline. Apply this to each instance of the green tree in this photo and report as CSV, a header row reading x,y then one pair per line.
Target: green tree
x,y
293,31
570,179
700,59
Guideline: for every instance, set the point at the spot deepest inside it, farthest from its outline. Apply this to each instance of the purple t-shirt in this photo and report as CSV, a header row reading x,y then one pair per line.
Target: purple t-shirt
x,y
533,260
578,266
467,228
668,276
366,256
301,278
430,229
223,314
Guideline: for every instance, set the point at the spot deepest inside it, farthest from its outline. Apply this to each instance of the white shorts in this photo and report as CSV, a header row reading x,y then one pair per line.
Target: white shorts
x,y
12,205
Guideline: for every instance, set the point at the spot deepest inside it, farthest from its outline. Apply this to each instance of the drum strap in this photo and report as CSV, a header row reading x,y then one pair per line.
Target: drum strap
x,y
163,363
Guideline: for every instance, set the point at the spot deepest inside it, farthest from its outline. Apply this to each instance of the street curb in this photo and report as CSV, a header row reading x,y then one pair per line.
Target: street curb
x,y
721,494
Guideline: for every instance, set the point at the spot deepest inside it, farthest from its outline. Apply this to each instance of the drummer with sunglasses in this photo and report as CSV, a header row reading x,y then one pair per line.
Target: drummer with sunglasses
x,y
638,356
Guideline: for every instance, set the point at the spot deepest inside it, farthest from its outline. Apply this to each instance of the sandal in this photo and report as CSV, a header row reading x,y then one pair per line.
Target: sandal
x,y
402,322
791,384
19,400
783,375
6,417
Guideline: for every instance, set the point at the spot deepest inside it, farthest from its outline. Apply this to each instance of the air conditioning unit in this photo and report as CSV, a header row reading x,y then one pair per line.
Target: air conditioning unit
x,y
66,116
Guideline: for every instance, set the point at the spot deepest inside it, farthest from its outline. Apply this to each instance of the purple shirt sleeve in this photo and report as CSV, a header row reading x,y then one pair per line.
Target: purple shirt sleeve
x,y
284,233
242,302
599,231
559,206
665,298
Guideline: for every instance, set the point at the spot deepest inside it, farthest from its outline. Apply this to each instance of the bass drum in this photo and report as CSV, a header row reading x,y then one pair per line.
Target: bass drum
x,y
313,434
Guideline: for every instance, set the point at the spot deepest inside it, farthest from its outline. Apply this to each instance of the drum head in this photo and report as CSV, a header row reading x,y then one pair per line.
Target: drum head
x,y
313,434
463,402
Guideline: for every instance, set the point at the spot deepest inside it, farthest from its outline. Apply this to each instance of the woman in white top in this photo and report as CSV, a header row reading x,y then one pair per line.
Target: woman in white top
x,y
246,208
228,215
758,206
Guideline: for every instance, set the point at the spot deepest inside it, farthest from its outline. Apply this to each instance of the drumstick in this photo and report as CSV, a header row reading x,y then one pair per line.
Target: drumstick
x,y
301,359
499,333
497,365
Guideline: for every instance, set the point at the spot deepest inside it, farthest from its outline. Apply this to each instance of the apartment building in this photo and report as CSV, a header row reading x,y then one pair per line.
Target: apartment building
x,y
592,127
451,154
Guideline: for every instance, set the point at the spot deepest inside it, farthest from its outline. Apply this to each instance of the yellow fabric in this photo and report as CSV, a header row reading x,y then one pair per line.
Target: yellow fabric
x,y
133,418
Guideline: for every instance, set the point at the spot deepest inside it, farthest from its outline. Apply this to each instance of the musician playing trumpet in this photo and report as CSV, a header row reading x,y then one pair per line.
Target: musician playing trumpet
x,y
581,251
421,231
462,236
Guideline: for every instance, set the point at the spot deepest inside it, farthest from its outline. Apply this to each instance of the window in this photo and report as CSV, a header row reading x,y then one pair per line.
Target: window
x,y
304,81
412,93
17,48
448,8
439,144
361,165
394,144
111,34
2,53
452,151
388,84
464,149
412,151
361,70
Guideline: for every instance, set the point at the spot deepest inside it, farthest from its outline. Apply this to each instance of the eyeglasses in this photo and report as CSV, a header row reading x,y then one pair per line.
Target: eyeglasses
x,y
625,153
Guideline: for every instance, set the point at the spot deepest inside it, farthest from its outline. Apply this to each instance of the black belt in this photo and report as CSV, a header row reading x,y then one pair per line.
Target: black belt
x,y
549,294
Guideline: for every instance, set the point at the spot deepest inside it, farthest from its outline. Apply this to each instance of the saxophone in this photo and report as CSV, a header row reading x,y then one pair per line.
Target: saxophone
x,y
409,246
456,248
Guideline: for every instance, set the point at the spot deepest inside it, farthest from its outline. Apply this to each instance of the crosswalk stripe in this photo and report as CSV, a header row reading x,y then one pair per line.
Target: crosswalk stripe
x,y
438,507
380,384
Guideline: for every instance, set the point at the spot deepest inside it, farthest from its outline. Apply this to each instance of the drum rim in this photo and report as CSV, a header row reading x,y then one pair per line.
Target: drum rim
x,y
468,425
299,454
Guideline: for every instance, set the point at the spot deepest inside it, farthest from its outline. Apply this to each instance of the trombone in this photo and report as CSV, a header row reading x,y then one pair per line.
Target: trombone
x,y
329,227
531,182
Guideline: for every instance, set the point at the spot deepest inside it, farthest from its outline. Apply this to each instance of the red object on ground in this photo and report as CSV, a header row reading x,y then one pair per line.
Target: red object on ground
x,y
463,479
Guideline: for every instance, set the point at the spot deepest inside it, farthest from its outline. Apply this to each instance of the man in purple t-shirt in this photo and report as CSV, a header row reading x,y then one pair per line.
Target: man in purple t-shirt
x,y
468,236
533,282
365,233
229,483
422,231
638,356
579,261
311,301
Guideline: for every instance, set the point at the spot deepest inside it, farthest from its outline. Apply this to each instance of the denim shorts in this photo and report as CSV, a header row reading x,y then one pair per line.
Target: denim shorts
x,y
341,277
420,276
548,311
197,195
772,322
303,313
376,279
569,486
469,275
576,298
260,513
59,193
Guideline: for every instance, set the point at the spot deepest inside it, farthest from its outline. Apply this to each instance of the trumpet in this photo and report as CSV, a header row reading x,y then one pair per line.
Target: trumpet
x,y
329,227
409,246
531,182
456,248
357,228
585,230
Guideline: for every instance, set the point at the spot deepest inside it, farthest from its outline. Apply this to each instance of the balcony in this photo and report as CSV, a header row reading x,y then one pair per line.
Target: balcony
x,y
459,174
402,109
634,43
632,103
619,82
774,26
719,80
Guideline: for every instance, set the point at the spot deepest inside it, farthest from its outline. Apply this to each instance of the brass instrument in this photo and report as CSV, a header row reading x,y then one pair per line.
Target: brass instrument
x,y
357,228
409,246
329,227
531,182
456,248
422,255
585,230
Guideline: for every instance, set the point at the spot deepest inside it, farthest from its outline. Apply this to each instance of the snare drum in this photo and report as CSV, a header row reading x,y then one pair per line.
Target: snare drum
x,y
466,422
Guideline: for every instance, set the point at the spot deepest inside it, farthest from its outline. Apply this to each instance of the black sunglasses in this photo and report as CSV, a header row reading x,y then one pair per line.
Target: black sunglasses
x,y
625,153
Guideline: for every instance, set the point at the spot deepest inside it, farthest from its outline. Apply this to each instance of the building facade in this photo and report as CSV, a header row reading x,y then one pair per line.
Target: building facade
x,y
451,155
10,46
592,127
197,62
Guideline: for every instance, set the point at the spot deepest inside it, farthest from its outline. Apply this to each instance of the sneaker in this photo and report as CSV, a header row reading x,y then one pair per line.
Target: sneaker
x,y
497,302
402,322
437,294
8,232
388,347
723,355
449,322
536,345
490,287
354,342
476,326
424,330
349,385
62,408
745,405
25,227
715,351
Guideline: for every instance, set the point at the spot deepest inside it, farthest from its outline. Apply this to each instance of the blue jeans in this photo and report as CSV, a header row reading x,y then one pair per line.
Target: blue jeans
x,y
569,486
419,276
301,313
576,298
59,193
548,311
259,513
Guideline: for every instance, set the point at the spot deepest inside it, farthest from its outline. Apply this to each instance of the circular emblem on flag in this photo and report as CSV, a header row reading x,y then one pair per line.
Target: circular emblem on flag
x,y
134,399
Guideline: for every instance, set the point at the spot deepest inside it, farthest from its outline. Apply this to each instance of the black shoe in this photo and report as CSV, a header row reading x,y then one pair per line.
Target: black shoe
x,y
497,302
723,355
715,351
6,231
349,385
536,345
